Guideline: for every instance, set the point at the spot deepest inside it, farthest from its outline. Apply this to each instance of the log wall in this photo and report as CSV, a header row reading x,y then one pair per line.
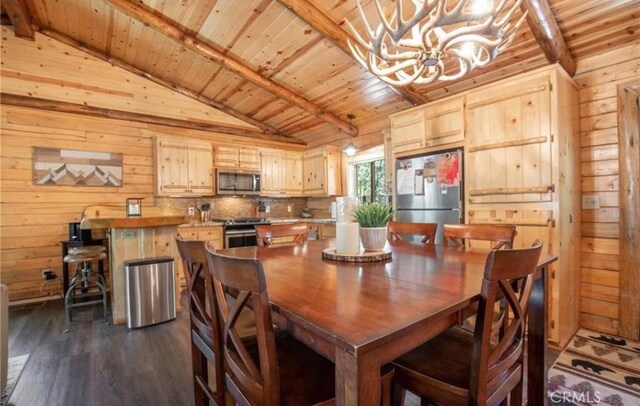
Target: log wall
x,y
598,78
33,219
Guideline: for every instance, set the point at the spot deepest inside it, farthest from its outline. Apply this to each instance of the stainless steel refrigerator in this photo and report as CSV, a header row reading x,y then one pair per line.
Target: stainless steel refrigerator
x,y
429,189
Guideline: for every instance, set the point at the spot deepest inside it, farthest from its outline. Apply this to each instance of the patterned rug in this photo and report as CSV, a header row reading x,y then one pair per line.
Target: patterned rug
x,y
16,366
596,369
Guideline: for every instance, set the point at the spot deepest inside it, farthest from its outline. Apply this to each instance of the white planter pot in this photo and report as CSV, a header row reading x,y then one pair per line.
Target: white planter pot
x,y
373,239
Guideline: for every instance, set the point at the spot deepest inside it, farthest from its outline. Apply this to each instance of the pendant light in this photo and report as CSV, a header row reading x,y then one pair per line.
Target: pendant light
x,y
350,149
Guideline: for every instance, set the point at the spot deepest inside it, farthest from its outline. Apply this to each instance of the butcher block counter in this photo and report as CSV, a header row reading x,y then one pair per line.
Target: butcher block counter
x,y
151,235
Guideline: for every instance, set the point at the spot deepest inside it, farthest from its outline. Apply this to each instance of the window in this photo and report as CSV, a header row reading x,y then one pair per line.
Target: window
x,y
370,181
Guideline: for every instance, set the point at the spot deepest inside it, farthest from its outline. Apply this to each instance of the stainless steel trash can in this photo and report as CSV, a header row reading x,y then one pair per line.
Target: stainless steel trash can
x,y
150,291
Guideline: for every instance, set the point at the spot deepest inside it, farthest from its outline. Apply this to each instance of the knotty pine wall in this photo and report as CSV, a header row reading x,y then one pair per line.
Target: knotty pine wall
x,y
597,78
33,219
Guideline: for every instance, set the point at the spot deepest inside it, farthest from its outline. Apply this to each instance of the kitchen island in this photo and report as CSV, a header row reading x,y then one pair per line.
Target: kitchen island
x,y
151,235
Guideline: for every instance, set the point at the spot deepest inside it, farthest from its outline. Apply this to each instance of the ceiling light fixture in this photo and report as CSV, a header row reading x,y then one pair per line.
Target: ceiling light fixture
x,y
442,40
350,149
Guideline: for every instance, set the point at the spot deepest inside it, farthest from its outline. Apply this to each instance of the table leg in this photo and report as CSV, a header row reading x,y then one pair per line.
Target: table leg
x,y
357,379
537,341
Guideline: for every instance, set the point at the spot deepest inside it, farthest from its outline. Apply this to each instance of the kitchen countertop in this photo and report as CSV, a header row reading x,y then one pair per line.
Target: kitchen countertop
x,y
272,220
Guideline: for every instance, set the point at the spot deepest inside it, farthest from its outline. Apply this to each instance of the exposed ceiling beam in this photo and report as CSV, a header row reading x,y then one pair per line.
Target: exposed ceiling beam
x,y
179,89
321,22
173,30
75,108
547,32
20,18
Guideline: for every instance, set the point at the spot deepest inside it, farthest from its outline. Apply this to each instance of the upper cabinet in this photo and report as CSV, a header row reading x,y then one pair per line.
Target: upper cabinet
x,y
183,167
272,174
237,157
432,125
293,184
322,171
508,145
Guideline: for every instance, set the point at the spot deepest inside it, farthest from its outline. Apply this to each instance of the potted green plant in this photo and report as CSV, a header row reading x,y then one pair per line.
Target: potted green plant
x,y
373,219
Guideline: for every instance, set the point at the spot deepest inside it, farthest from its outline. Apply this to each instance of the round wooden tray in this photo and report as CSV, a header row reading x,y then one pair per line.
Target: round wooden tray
x,y
363,256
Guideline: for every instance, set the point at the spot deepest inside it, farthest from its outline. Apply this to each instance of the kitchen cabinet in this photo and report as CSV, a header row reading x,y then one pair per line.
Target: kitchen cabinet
x,y
444,122
322,171
211,234
407,131
293,184
522,158
273,170
183,167
237,157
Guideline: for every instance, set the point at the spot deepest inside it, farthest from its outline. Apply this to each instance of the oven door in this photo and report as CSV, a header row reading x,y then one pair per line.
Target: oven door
x,y
238,182
240,238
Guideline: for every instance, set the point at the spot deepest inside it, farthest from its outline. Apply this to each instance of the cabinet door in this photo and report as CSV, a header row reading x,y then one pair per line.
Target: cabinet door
x,y
172,176
508,143
213,235
272,180
444,123
226,156
200,168
407,132
314,173
249,158
293,174
190,234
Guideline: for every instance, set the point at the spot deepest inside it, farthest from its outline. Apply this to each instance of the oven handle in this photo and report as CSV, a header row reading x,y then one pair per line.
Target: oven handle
x,y
240,232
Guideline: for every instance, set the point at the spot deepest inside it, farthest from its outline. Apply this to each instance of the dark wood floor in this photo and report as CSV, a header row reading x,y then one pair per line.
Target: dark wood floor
x,y
99,364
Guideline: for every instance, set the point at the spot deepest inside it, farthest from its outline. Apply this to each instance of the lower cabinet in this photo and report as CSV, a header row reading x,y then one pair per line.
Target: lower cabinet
x,y
210,234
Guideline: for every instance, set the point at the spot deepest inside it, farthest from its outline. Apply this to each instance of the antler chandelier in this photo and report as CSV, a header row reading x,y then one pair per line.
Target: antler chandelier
x,y
442,40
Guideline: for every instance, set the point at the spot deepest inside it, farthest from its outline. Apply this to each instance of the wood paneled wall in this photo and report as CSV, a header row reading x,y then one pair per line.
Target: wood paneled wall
x,y
598,78
33,219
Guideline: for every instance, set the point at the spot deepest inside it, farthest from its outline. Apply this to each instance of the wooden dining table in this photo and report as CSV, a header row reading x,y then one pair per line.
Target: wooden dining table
x,y
364,315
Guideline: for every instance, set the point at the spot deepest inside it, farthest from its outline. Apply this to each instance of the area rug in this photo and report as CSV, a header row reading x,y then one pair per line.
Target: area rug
x,y
16,366
596,369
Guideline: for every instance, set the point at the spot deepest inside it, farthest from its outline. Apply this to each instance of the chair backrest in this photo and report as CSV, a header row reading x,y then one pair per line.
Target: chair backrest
x,y
274,234
249,379
501,236
203,308
426,230
508,277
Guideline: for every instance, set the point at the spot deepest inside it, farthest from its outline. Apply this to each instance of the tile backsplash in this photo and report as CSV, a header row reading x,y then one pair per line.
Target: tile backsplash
x,y
230,207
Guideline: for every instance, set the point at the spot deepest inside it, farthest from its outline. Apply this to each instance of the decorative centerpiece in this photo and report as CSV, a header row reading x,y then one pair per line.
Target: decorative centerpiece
x,y
347,230
373,219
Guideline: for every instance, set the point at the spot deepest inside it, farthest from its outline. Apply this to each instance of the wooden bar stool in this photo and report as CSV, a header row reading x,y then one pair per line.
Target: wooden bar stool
x,y
84,279
501,236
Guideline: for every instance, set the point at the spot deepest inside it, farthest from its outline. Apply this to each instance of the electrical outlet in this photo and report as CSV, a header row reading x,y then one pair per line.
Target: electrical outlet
x,y
191,211
48,274
590,202
267,209
288,208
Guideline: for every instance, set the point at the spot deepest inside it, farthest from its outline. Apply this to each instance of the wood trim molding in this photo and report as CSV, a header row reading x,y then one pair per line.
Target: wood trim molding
x,y
172,30
629,173
179,89
321,22
74,108
547,33
20,18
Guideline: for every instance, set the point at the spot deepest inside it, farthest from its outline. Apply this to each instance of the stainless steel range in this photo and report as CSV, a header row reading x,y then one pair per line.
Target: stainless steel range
x,y
241,231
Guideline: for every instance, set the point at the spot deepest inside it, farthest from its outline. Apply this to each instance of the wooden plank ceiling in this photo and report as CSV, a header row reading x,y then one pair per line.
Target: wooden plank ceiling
x,y
271,40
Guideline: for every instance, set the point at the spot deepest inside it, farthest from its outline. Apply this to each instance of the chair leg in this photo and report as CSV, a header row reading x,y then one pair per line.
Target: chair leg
x,y
398,395
424,401
199,369
515,398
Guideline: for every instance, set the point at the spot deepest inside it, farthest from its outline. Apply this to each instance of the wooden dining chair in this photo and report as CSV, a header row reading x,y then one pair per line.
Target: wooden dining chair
x,y
462,368
427,231
205,332
279,234
501,236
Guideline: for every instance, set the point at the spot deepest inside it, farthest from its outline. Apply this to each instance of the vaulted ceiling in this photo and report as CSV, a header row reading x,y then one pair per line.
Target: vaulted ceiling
x,y
259,61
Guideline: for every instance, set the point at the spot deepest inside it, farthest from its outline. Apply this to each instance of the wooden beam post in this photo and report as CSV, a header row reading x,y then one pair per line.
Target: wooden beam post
x,y
20,18
545,29
629,173
321,22
179,89
172,30
75,108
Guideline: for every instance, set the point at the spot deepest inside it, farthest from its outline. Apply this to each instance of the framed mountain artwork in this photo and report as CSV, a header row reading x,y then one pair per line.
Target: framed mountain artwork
x,y
69,167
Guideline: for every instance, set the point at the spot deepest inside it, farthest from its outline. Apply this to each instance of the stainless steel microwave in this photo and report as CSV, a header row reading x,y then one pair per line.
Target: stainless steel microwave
x,y
237,182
